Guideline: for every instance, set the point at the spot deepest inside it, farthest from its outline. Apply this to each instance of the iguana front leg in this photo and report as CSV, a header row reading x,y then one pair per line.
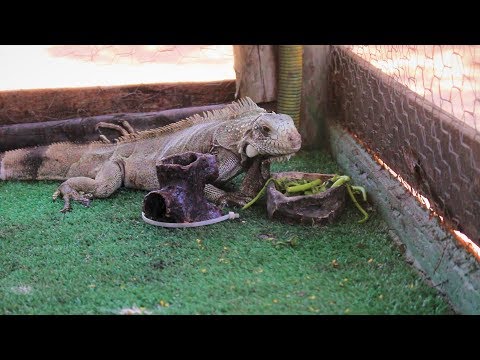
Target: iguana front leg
x,y
83,189
228,167
224,198
257,172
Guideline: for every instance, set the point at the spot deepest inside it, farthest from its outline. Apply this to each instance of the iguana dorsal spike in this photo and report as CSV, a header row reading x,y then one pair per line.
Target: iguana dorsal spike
x,y
229,112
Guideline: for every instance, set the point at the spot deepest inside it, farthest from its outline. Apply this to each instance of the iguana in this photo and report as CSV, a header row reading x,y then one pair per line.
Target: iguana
x,y
242,135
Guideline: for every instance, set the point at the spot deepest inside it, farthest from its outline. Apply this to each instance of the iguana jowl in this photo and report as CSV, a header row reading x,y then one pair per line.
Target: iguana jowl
x,y
240,135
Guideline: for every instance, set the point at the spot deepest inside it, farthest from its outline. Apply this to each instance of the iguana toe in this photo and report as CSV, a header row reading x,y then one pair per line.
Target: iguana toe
x,y
234,200
68,193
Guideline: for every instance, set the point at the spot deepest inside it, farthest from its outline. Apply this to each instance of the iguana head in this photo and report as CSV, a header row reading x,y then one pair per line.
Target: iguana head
x,y
271,135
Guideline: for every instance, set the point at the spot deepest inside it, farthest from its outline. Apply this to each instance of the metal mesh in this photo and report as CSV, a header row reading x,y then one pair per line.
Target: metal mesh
x,y
418,109
60,66
50,76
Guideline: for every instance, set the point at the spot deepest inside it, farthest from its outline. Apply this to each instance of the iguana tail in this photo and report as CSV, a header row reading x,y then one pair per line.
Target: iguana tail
x,y
49,162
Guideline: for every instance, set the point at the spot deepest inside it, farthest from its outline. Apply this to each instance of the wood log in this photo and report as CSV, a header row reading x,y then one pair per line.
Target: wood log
x,y
83,129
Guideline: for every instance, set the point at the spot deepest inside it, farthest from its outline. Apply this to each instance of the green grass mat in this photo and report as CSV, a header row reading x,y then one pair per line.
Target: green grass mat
x,y
106,260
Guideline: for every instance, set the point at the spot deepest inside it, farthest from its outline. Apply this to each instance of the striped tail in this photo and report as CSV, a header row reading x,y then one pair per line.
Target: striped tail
x,y
49,162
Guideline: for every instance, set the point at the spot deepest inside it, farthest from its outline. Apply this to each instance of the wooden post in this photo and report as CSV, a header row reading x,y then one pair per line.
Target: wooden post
x,y
314,93
256,72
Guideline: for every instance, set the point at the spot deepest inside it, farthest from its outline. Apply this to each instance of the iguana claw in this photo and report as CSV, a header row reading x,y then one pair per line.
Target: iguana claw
x,y
234,200
68,193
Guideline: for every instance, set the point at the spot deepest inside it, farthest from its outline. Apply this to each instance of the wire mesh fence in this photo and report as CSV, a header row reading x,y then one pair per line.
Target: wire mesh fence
x,y
114,78
447,76
61,66
417,108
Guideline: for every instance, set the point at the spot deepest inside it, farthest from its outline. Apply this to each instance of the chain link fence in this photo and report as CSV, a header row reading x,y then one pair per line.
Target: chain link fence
x,y
418,109
67,81
65,66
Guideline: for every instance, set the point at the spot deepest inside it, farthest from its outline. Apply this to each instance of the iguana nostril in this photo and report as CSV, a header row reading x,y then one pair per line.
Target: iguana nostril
x,y
294,138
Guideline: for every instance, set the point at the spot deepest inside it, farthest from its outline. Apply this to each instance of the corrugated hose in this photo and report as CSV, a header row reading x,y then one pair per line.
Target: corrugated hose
x,y
290,81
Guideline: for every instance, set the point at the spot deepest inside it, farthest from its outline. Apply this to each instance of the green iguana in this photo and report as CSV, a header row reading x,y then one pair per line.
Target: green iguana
x,y
241,135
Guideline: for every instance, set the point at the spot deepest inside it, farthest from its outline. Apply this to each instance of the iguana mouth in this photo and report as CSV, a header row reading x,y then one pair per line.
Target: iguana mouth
x,y
281,158
250,151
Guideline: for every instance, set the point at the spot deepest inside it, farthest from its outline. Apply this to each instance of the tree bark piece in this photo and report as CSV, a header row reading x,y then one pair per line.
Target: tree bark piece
x,y
181,198
317,209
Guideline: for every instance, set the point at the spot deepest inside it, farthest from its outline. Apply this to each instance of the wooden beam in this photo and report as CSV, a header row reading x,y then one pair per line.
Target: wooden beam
x,y
28,106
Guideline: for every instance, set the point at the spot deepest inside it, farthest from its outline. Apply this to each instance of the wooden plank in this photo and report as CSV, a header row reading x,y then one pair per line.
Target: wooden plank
x,y
28,106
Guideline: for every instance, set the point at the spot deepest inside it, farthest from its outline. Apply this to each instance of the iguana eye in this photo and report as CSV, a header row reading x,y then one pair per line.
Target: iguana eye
x,y
265,130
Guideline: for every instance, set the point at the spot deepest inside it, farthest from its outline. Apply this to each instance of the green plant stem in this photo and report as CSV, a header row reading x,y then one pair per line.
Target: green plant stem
x,y
260,193
362,190
352,196
340,181
303,187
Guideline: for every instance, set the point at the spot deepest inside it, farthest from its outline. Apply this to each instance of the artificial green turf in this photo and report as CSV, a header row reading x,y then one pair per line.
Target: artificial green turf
x,y
105,259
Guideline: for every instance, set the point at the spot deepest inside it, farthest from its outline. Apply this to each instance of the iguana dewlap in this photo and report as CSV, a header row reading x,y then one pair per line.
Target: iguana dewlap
x,y
241,135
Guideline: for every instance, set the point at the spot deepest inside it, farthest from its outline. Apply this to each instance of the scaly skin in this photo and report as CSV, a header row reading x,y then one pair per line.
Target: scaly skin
x,y
242,136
